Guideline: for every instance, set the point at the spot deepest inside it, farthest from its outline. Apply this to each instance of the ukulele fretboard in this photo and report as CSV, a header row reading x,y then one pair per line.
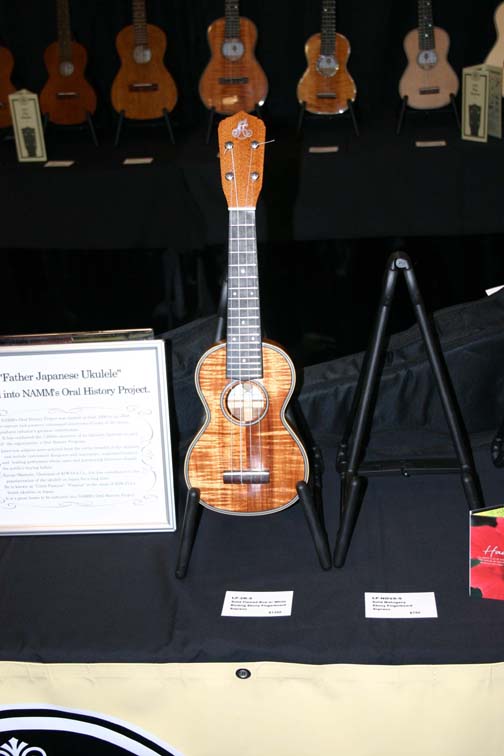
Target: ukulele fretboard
x,y
328,27
244,348
140,23
232,14
64,32
425,25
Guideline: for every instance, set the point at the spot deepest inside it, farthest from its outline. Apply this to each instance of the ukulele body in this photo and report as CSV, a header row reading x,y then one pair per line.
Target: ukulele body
x,y
496,55
143,89
430,85
237,82
67,99
6,86
326,86
225,446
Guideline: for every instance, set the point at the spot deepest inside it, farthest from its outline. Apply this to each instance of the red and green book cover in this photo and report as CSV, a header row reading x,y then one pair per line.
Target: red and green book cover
x,y
486,574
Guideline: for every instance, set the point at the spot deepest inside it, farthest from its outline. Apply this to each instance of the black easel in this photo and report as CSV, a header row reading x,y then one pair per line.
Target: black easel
x,y
498,447
89,121
352,447
404,108
351,111
309,496
211,117
120,123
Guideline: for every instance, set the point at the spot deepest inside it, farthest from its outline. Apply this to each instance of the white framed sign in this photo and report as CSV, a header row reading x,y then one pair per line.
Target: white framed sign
x,y
85,438
27,125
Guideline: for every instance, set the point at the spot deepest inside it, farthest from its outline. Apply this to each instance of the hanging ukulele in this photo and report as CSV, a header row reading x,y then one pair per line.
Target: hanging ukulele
x,y
67,97
6,86
233,79
245,459
496,55
326,87
143,88
429,82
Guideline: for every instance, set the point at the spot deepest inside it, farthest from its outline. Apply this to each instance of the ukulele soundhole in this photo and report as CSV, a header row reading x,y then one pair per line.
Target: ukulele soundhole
x,y
66,68
244,402
427,59
142,54
232,49
327,65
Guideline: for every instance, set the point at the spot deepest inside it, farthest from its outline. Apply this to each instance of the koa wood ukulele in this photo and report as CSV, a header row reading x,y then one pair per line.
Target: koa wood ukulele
x,y
6,86
326,87
496,55
246,459
429,82
233,79
67,97
143,88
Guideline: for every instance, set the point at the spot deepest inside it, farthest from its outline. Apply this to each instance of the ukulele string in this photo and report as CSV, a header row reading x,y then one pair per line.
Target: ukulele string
x,y
249,394
239,311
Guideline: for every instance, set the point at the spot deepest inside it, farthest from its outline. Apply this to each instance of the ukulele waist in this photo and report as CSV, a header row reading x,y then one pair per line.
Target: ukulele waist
x,y
246,476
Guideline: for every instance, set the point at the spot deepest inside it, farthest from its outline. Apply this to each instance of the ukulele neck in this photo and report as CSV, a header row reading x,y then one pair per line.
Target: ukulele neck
x,y
425,25
64,32
328,27
232,15
244,348
140,23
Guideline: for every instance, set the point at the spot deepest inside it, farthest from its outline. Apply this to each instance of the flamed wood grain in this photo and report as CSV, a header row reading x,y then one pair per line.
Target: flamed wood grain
x,y
230,98
416,78
62,110
6,86
217,447
312,82
147,104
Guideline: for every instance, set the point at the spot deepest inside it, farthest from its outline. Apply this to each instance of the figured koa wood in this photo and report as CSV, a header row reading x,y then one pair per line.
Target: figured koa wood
x,y
6,86
229,86
143,90
326,95
223,445
241,151
428,88
496,55
67,96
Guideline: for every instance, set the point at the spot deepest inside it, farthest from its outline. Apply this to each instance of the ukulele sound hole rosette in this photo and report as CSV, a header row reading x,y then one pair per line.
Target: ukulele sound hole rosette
x,y
244,402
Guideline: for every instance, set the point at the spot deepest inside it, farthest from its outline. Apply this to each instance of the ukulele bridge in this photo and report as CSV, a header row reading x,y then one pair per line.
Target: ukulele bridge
x,y
233,80
429,90
66,95
326,96
246,476
141,86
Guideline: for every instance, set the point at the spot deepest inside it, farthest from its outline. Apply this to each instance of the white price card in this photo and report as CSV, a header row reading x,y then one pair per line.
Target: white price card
x,y
400,605
257,604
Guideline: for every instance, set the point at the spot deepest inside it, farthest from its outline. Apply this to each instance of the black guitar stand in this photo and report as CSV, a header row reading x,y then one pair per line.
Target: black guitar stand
x,y
211,117
121,120
498,447
89,120
404,108
352,447
309,495
351,111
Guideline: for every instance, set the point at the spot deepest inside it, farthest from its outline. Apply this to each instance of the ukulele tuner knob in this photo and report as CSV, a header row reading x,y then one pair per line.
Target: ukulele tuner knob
x,y
254,145
254,176
229,176
229,145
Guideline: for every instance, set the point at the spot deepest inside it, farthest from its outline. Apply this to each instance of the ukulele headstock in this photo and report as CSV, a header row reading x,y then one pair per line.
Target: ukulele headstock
x,y
241,150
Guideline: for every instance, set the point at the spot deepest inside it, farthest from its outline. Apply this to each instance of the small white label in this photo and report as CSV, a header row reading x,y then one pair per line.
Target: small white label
x,y
257,604
493,290
59,163
323,150
138,161
400,605
432,143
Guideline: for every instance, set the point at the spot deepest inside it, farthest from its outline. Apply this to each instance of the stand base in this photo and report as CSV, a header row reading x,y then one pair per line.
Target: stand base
x,y
89,121
404,107
211,117
121,121
350,111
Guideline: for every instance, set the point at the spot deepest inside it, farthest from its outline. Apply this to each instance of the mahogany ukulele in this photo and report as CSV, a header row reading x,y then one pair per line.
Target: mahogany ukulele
x,y
143,87
6,86
326,87
233,79
67,97
496,55
246,459
429,82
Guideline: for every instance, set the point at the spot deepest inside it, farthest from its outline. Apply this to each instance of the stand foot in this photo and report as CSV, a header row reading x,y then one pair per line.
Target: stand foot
x,y
453,103
354,119
90,123
211,116
166,116
188,531
302,110
404,104
315,525
120,121
350,508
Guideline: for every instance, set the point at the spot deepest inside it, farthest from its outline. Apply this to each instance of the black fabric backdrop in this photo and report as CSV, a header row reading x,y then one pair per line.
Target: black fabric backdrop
x,y
115,598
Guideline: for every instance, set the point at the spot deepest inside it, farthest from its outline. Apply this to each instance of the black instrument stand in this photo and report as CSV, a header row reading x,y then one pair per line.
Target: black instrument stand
x,y
498,447
211,117
89,120
352,447
351,111
404,108
120,124
309,495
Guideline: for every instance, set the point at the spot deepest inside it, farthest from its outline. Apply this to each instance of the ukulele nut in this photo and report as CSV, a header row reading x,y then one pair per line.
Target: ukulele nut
x,y
229,176
254,176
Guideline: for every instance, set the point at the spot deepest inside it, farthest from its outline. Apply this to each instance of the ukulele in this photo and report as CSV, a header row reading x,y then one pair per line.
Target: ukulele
x,y
67,97
6,86
246,459
429,81
496,55
233,79
326,87
143,87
